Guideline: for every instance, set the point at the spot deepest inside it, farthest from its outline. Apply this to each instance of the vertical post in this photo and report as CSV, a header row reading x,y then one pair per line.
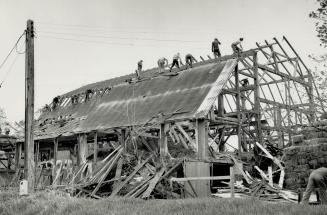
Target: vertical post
x,y
288,106
55,151
95,148
238,109
29,108
202,138
279,127
82,149
221,114
232,179
55,157
311,99
220,105
257,99
123,139
163,140
18,155
9,160
37,151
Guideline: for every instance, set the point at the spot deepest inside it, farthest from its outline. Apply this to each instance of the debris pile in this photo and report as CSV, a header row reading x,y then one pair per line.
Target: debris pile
x,y
124,172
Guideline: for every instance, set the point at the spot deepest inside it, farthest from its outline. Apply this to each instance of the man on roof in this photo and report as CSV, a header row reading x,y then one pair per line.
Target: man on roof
x,y
317,181
139,69
215,48
189,59
176,60
237,46
162,63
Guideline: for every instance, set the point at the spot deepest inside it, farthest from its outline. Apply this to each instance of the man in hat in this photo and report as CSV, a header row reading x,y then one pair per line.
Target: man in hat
x,y
215,48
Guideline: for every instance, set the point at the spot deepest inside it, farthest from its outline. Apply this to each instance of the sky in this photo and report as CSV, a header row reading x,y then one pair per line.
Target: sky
x,y
81,41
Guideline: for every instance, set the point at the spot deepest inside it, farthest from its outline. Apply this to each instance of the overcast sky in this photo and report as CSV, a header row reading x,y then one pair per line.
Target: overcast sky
x,y
83,41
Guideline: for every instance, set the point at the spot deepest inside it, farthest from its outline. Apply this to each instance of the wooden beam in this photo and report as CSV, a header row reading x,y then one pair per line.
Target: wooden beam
x,y
118,171
113,162
55,151
257,99
202,138
231,182
278,124
95,148
153,183
229,91
82,149
18,154
266,68
273,82
221,105
123,139
163,140
185,134
37,152
201,178
281,105
242,89
122,184
238,108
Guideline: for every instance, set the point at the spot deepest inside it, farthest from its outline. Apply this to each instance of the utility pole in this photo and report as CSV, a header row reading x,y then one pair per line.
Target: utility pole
x,y
29,165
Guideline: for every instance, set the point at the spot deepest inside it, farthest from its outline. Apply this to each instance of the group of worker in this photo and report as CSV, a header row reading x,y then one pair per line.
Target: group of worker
x,y
189,59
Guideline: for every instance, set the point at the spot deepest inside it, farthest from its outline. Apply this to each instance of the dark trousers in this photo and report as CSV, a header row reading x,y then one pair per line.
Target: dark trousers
x,y
175,63
216,53
188,61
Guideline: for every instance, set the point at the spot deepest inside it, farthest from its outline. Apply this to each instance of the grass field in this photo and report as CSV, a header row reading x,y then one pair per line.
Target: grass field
x,y
48,203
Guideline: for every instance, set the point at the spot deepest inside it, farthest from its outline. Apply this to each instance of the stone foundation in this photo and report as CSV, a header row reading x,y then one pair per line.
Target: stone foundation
x,y
308,152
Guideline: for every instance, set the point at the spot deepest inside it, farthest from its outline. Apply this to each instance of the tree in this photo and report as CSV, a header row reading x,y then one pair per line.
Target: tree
x,y
320,15
3,120
319,73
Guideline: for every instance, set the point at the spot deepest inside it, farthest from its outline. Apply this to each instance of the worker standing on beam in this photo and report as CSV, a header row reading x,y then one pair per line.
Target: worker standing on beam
x,y
162,63
215,48
237,46
176,60
139,69
189,59
317,180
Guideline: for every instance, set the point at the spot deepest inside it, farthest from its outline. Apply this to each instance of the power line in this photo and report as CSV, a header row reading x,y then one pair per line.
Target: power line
x,y
9,70
144,30
122,38
13,48
103,42
86,41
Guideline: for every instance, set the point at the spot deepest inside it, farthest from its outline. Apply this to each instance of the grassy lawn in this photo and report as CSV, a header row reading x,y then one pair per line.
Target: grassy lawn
x,y
48,203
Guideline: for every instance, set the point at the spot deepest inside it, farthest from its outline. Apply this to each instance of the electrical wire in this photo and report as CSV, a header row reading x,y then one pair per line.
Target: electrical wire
x,y
107,43
86,41
13,48
9,70
110,29
19,52
121,38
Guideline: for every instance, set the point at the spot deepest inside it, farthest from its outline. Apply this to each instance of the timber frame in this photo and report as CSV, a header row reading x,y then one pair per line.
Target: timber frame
x,y
269,96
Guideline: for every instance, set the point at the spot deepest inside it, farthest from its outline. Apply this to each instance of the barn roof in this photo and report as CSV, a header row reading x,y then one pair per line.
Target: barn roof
x,y
153,99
